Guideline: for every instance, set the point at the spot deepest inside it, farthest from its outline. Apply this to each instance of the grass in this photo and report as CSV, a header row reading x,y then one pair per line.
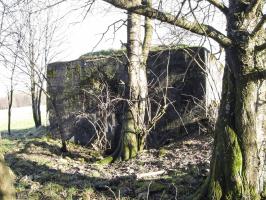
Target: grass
x,y
43,172
6,145
21,118
119,52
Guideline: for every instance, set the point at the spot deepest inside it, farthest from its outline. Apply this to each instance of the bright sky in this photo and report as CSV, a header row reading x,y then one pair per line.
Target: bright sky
x,y
82,35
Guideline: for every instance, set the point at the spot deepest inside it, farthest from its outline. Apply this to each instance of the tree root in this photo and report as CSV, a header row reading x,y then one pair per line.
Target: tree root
x,y
201,192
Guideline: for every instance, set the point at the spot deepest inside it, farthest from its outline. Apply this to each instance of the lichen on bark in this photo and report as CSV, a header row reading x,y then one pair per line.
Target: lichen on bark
x,y
234,163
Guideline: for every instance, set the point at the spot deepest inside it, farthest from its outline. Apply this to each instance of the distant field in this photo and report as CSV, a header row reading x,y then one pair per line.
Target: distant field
x,y
21,118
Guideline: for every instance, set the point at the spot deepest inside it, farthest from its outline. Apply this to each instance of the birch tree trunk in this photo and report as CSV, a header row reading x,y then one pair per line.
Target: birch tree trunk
x,y
35,102
10,102
133,132
134,122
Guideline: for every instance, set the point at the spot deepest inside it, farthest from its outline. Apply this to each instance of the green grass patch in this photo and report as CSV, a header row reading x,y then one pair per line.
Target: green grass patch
x,y
6,145
108,52
53,191
21,118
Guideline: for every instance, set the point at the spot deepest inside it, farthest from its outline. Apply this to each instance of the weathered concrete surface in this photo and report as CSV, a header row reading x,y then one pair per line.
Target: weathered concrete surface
x,y
190,77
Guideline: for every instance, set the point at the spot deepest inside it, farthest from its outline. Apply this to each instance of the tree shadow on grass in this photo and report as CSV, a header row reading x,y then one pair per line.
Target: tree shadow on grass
x,y
85,154
25,133
175,185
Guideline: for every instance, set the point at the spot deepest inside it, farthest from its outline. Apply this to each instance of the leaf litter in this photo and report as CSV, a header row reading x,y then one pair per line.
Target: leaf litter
x,y
173,171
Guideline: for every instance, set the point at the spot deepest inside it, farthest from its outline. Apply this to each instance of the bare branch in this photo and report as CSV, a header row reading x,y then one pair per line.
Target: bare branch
x,y
253,6
219,5
259,25
108,28
260,47
49,6
255,76
194,27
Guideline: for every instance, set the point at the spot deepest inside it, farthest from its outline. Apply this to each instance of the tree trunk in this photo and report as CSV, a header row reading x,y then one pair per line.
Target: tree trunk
x,y
134,125
10,102
133,131
239,154
10,94
35,102
38,100
7,191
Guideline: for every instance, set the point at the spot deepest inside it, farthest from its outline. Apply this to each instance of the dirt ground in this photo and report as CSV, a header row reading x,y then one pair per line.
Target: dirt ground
x,y
174,171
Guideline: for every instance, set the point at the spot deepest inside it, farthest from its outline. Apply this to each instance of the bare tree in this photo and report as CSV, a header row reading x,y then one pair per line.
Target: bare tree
x,y
38,31
134,124
7,190
11,89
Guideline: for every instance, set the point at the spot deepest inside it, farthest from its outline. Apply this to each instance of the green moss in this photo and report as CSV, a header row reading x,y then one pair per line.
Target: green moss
x,y
216,190
236,151
51,73
87,193
21,186
130,142
254,194
105,161
162,152
130,145
157,187
6,145
151,186
120,52
263,194
70,193
53,191
167,47
134,150
125,152
108,52
95,174
234,161
129,124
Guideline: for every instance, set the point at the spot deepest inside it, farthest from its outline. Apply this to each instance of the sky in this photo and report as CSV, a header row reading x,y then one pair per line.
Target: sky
x,y
83,34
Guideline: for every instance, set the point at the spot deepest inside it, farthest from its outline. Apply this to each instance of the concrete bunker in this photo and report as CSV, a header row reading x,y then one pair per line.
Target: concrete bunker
x,y
86,91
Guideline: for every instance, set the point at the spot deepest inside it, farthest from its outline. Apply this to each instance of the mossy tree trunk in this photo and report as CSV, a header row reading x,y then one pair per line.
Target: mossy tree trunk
x,y
238,157
239,153
133,131
133,122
